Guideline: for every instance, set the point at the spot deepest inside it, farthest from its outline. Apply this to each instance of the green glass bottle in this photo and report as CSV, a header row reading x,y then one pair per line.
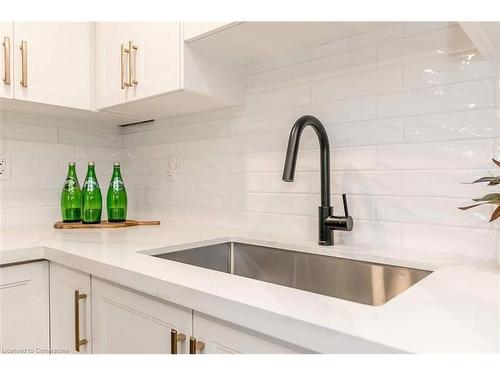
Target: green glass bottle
x,y
71,197
91,197
117,196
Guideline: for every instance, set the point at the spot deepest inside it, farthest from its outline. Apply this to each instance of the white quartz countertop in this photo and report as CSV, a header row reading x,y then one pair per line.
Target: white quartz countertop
x,y
454,309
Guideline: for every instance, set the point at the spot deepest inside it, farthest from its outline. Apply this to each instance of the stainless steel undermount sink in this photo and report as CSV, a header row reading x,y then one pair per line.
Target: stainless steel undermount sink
x,y
353,280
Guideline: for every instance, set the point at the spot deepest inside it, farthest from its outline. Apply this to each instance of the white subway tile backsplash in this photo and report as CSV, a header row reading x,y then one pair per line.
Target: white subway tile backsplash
x,y
272,182
445,183
366,133
426,210
360,84
459,97
207,199
366,182
359,41
32,215
324,67
212,164
270,79
25,132
34,149
291,226
220,182
349,110
99,153
210,129
451,241
460,67
372,233
278,99
452,155
78,136
452,126
424,45
29,198
353,158
225,218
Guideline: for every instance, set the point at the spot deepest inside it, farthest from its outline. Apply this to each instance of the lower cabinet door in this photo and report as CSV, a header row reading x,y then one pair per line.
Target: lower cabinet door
x,y
220,337
24,308
127,321
70,328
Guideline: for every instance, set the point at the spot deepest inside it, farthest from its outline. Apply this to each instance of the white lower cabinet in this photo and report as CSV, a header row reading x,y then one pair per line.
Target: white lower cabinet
x,y
70,312
220,337
24,308
126,321
91,315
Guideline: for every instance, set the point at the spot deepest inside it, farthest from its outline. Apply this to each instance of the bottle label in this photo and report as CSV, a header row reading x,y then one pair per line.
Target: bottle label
x,y
90,184
116,184
70,185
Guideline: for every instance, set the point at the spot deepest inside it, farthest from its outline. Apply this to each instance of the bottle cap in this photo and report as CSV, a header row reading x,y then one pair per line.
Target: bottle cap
x,y
116,163
71,163
91,163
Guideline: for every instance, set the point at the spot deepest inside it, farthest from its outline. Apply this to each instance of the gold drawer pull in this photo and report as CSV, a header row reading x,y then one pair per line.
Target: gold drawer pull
x,y
123,61
175,338
6,61
195,346
24,63
78,342
132,61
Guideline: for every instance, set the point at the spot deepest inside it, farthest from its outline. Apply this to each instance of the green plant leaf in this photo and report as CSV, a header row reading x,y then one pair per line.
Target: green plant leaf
x,y
496,214
496,162
493,180
467,207
490,198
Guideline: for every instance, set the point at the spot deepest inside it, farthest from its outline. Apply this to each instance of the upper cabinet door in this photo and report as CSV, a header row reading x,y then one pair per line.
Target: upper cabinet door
x,y
136,60
52,63
6,61
111,63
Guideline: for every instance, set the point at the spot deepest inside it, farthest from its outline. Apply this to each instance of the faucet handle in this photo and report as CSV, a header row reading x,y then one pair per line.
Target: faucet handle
x,y
344,200
345,223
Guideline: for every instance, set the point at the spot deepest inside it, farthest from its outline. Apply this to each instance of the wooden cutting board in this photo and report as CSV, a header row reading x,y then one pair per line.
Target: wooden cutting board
x,y
105,224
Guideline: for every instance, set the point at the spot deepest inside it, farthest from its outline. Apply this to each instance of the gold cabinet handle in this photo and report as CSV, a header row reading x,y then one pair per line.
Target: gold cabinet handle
x,y
175,338
24,63
132,61
123,62
6,60
78,342
195,346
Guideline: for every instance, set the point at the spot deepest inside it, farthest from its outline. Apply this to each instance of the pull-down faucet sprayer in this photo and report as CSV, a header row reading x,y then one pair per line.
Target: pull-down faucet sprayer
x,y
327,221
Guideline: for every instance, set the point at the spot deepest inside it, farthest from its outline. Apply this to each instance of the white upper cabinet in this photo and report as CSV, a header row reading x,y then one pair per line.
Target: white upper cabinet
x,y
135,60
195,30
52,63
145,69
6,63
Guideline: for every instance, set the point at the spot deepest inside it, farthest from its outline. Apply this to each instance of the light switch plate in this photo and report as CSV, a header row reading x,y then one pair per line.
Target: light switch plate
x,y
171,169
4,167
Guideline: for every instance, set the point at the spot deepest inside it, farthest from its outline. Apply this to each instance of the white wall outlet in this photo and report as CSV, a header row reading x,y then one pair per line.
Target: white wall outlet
x,y
171,169
4,167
